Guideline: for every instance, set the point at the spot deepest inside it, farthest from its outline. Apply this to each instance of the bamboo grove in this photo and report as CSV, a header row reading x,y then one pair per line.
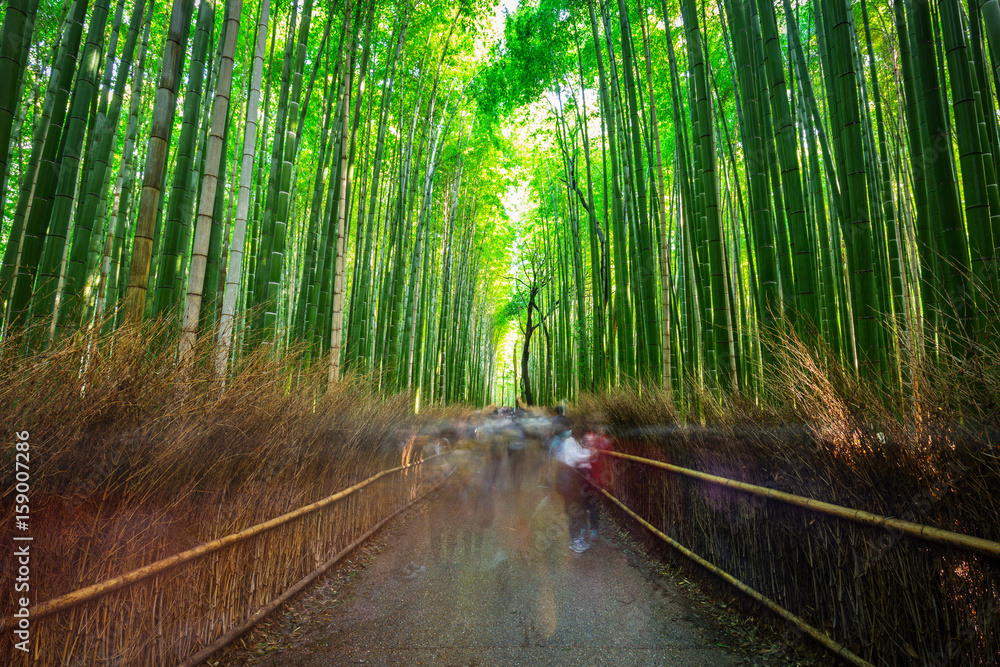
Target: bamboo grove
x,y
712,173
333,177
287,174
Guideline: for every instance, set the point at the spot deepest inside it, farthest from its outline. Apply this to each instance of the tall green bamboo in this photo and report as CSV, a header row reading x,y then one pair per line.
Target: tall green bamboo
x,y
289,148
360,330
803,254
265,246
755,155
947,228
173,258
56,238
213,157
96,185
971,148
646,262
708,192
161,130
868,321
339,231
33,205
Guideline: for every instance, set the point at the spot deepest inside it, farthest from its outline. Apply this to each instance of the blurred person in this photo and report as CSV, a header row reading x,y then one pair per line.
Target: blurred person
x,y
433,442
596,441
560,429
553,439
516,451
573,463
537,430
489,439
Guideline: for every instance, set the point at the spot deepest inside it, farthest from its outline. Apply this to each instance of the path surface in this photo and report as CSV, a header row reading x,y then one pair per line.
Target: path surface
x,y
483,577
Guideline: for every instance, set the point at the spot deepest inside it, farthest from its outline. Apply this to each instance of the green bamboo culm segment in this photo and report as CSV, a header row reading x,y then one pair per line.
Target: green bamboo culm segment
x,y
983,276
210,184
647,318
34,204
17,29
710,217
12,34
769,308
947,238
806,302
287,149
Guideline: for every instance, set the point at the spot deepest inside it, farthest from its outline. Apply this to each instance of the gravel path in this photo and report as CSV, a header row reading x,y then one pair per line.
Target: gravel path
x,y
485,577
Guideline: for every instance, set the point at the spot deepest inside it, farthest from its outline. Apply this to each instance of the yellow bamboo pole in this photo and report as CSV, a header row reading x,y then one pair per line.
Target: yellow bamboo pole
x,y
96,590
822,638
918,530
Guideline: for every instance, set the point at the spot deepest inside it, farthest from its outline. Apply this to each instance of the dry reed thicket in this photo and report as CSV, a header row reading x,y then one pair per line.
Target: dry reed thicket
x,y
134,459
928,453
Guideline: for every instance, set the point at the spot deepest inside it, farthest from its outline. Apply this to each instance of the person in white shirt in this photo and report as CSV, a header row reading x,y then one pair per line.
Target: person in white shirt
x,y
573,461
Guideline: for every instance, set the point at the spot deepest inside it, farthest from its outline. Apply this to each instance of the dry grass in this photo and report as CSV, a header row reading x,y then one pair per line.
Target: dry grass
x,y
133,459
927,452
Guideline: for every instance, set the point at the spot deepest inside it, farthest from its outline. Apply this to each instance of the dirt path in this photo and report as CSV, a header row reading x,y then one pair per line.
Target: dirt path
x,y
484,577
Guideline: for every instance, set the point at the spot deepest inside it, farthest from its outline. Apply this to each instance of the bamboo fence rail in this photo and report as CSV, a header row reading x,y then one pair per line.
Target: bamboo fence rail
x,y
244,627
821,637
892,592
919,530
162,613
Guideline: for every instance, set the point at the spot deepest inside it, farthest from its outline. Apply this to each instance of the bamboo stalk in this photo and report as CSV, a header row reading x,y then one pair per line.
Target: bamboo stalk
x,y
918,530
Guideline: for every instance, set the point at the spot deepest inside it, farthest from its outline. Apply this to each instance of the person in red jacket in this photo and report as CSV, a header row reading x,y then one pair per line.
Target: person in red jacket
x,y
599,441
595,441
